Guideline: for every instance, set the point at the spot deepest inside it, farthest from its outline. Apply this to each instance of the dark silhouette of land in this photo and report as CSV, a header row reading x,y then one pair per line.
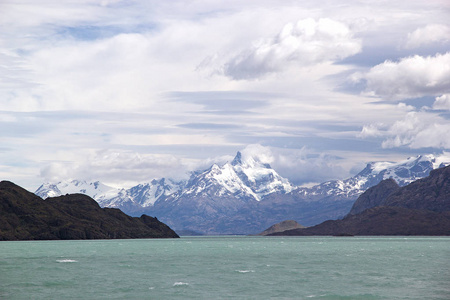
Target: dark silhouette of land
x,y
420,208
25,216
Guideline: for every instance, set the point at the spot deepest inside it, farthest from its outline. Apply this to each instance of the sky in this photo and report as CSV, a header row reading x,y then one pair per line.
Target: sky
x,y
127,91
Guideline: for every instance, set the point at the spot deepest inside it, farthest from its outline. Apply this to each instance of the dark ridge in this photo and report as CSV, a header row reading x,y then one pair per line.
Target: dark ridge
x,y
25,216
374,196
420,208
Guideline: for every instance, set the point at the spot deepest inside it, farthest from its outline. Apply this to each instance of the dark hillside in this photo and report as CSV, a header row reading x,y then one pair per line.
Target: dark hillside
x,y
24,216
420,208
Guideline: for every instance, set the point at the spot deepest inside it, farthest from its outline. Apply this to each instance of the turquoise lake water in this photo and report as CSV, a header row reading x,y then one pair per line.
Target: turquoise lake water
x,y
228,267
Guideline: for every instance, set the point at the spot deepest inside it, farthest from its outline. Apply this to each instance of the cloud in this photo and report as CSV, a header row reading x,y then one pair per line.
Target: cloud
x,y
305,43
416,130
411,77
261,153
442,102
301,166
78,77
431,33
116,167
304,166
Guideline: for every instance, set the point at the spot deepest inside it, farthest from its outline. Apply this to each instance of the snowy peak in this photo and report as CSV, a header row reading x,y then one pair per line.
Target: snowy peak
x,y
218,182
96,190
259,176
243,178
237,159
249,162
48,190
147,194
135,198
403,172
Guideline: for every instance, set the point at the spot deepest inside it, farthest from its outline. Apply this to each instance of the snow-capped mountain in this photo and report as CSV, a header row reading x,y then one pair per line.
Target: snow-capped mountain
x,y
245,195
129,200
142,196
403,172
247,178
97,190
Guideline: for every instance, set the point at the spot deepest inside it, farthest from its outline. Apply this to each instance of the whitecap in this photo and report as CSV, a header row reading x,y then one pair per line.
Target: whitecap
x,y
180,283
66,260
245,271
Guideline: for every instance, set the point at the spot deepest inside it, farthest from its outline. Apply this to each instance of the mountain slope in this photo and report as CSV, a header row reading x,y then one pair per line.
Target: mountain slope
x,y
420,208
374,196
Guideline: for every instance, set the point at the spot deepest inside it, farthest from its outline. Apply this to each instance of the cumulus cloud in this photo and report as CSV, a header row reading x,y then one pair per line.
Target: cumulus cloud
x,y
305,43
442,102
411,77
431,33
416,130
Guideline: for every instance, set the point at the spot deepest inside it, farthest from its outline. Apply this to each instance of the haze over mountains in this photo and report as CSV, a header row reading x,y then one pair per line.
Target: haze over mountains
x,y
245,195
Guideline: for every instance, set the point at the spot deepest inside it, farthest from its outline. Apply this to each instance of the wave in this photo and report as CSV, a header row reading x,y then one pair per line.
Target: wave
x,y
180,283
66,260
245,271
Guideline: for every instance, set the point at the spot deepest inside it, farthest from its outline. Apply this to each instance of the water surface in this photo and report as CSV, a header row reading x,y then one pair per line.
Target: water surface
x,y
228,267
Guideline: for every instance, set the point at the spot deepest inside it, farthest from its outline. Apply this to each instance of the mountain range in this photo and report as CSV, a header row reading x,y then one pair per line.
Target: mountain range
x,y
420,208
245,195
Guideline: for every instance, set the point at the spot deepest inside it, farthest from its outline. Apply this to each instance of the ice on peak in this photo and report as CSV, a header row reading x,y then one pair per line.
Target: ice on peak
x,y
251,159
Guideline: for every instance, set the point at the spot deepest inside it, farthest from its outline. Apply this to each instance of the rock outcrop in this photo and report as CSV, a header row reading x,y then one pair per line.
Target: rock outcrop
x,y
282,226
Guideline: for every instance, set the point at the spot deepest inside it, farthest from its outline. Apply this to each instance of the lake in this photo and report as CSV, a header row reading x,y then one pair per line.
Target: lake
x,y
228,267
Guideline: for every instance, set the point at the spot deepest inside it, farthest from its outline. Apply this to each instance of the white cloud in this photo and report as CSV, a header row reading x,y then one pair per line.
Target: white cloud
x,y
416,130
104,69
411,77
117,167
306,166
301,166
263,154
371,130
431,33
442,102
305,43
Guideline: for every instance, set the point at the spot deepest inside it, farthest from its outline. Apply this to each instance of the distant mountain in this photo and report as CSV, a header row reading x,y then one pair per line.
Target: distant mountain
x,y
420,208
131,201
223,199
246,195
403,172
97,190
25,216
136,199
